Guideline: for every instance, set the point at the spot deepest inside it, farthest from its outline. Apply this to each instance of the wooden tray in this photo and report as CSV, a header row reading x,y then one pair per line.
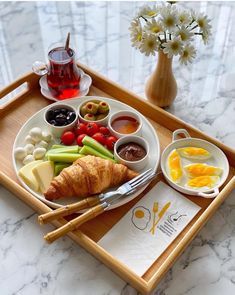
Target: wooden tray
x,y
15,112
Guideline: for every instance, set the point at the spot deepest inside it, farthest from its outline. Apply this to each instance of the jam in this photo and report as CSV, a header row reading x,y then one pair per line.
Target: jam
x,y
125,124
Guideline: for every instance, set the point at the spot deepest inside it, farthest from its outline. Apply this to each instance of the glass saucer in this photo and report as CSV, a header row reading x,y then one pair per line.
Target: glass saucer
x,y
85,84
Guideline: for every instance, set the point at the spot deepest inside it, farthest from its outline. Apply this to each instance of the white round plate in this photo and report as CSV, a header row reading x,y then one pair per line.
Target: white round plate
x,y
37,120
85,84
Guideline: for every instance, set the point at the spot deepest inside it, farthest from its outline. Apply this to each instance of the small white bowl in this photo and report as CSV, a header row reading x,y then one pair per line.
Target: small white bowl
x,y
57,131
135,165
102,122
125,114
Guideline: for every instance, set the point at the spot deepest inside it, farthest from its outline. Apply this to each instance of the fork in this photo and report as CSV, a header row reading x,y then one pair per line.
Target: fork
x,y
92,201
105,201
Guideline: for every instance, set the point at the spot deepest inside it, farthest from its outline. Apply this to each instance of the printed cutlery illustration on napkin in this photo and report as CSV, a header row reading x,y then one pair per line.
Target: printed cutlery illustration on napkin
x,y
146,220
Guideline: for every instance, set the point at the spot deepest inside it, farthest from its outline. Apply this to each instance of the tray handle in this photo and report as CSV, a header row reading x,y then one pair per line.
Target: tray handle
x,y
213,194
180,131
28,79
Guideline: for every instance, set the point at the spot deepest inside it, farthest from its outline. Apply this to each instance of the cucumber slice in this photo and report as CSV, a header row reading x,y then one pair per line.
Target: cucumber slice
x,y
64,149
59,167
87,150
88,141
64,157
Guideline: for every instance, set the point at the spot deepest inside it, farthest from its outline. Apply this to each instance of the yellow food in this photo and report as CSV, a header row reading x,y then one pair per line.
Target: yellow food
x,y
27,175
203,181
201,169
88,176
44,173
174,166
195,153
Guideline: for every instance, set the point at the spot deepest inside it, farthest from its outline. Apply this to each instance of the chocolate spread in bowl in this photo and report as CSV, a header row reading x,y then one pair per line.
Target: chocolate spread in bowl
x,y
131,151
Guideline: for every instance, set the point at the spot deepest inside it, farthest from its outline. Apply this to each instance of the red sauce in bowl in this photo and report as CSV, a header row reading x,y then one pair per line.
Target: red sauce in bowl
x,y
125,124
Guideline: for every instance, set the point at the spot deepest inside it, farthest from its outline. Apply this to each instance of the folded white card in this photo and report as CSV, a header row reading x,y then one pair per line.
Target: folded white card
x,y
143,234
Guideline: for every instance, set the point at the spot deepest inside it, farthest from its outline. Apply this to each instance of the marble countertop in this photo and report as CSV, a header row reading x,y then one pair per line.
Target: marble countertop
x,y
206,99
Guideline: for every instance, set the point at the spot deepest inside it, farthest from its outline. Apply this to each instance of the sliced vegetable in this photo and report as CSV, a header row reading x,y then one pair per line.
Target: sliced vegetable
x,y
73,149
57,146
59,167
64,157
87,150
87,140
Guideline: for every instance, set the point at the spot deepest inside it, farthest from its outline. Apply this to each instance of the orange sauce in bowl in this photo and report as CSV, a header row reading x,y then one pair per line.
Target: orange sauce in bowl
x,y
125,124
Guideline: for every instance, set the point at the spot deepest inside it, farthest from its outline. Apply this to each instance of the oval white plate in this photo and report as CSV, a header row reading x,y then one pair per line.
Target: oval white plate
x,y
85,84
37,120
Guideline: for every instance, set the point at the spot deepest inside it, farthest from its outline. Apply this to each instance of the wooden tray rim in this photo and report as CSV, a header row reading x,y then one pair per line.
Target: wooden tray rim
x,y
82,239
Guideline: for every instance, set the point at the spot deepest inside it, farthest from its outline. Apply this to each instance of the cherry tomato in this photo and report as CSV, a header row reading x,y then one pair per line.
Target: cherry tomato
x,y
81,129
110,141
104,130
99,137
92,128
67,137
80,138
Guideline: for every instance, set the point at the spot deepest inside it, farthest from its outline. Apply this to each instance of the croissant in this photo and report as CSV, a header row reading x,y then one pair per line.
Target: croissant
x,y
88,176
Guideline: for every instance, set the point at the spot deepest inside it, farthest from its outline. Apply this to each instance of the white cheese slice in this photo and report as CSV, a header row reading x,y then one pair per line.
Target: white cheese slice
x,y
27,176
44,173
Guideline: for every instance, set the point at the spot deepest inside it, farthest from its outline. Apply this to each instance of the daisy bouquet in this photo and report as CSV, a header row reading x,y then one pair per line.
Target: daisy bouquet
x,y
170,30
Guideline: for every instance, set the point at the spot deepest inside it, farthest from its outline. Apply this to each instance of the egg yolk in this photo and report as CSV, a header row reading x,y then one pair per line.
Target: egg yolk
x,y
139,214
202,181
194,151
195,170
175,166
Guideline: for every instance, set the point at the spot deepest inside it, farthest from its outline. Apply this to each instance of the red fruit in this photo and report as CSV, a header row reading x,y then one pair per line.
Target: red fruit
x,y
80,138
92,128
99,137
110,141
81,129
67,137
104,130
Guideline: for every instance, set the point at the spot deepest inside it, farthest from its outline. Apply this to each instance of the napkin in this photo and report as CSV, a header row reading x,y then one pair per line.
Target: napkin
x,y
143,234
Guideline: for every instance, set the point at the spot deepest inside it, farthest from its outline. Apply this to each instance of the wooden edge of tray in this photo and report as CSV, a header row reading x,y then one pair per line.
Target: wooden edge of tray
x,y
167,120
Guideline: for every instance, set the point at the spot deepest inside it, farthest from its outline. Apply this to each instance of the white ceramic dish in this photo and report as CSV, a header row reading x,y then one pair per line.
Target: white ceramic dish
x,y
103,121
218,159
135,165
37,120
85,84
127,113
58,130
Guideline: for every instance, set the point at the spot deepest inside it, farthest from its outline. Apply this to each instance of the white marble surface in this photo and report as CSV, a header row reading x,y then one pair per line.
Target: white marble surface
x,y
206,99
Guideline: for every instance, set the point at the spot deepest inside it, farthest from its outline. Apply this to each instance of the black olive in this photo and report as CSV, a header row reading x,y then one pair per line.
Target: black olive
x,y
60,119
50,115
56,112
52,122
71,117
64,111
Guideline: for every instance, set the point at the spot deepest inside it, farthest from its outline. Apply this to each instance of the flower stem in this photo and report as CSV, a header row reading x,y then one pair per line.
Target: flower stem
x,y
165,36
169,36
194,27
144,18
159,39
190,24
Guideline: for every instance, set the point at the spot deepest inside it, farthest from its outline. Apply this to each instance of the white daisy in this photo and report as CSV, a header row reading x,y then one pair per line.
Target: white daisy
x,y
169,18
149,44
173,47
188,54
184,18
153,27
203,23
136,37
184,34
147,11
206,36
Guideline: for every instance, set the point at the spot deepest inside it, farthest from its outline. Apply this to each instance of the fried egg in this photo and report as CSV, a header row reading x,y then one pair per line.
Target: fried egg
x,y
201,169
195,153
141,217
206,182
174,166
